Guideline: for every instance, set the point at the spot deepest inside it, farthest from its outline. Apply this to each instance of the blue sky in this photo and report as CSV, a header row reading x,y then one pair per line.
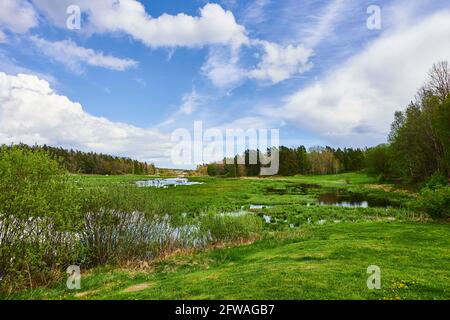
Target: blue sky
x,y
136,71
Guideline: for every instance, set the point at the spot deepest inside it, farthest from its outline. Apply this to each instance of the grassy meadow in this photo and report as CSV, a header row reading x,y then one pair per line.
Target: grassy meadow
x,y
305,251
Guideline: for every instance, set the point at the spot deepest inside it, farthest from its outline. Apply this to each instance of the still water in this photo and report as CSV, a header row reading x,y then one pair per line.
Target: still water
x,y
353,200
165,183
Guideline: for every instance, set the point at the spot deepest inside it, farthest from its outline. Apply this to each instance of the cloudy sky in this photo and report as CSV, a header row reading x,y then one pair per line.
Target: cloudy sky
x,y
135,71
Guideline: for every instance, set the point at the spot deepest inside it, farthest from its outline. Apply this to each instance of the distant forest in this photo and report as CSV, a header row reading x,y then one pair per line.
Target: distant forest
x,y
293,161
418,146
94,163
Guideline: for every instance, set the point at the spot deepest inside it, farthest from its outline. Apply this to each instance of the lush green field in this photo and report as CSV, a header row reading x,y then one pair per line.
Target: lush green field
x,y
307,251
231,194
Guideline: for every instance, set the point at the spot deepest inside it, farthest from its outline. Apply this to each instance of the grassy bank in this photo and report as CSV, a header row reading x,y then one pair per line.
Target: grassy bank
x,y
320,262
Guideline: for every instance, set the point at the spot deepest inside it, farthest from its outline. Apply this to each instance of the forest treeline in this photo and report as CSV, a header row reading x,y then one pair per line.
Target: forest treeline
x,y
91,162
418,146
293,161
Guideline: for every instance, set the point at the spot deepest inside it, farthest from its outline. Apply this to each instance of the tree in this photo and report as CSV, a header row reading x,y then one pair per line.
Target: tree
x,y
439,82
378,161
420,136
302,160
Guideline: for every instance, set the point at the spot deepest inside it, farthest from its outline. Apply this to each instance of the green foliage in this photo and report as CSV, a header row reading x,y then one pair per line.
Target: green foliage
x,y
420,136
38,209
293,161
378,161
435,202
350,160
93,163
437,180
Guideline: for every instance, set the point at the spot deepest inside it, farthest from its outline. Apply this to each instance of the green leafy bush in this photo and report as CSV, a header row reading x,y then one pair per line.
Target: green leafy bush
x,y
435,202
437,180
38,211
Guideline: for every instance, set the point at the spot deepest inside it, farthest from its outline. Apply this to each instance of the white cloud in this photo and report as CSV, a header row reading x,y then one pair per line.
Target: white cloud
x,y
355,103
31,112
3,37
73,56
255,12
222,68
192,105
17,15
214,25
191,101
325,22
280,63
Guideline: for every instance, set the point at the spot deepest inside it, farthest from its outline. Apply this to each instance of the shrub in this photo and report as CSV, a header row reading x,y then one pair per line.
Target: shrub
x,y
435,202
38,209
436,180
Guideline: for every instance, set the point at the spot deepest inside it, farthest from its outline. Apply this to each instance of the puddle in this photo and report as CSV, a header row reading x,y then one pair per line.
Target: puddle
x,y
259,207
165,183
292,189
353,200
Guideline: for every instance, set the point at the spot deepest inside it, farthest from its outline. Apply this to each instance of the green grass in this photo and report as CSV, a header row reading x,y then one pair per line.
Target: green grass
x,y
309,261
219,194
321,262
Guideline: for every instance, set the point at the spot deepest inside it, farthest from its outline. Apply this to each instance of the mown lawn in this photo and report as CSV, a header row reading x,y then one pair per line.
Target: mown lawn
x,y
315,262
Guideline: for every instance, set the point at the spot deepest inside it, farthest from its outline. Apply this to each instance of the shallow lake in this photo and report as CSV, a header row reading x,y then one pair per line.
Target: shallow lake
x,y
353,200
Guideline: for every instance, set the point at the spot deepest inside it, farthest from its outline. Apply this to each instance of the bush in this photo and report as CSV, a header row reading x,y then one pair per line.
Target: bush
x,y
435,202
436,180
38,209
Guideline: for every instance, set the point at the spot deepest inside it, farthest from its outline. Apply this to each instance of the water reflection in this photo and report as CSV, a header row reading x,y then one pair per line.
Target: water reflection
x,y
165,183
353,200
259,207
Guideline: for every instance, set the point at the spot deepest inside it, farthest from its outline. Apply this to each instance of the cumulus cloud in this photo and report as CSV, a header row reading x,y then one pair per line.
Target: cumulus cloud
x,y
214,25
17,16
73,56
222,68
355,103
281,62
278,63
32,112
